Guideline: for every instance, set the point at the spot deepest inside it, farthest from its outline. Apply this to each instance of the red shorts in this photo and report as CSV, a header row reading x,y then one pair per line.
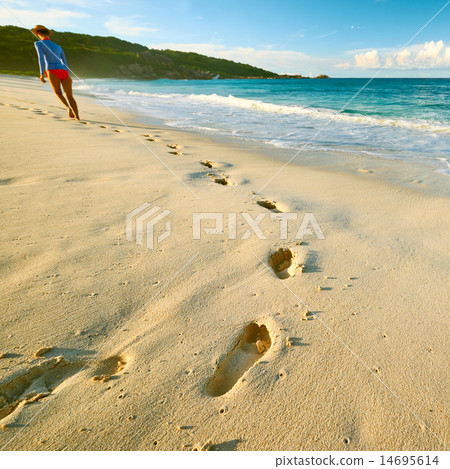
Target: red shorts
x,y
61,74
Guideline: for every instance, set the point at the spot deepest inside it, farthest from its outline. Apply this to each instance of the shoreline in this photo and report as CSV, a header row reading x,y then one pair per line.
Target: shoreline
x,y
404,169
324,157
159,321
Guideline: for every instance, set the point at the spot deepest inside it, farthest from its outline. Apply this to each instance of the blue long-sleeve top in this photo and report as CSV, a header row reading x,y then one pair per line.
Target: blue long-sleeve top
x,y
51,56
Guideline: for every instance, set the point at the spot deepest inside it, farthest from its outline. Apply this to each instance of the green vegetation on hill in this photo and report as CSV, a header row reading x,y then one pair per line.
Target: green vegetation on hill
x,y
109,57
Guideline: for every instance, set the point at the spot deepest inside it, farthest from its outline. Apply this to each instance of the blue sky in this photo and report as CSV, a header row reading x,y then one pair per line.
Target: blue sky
x,y
336,37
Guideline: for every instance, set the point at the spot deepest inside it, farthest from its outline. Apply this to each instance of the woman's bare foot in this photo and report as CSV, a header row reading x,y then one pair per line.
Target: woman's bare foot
x,y
71,114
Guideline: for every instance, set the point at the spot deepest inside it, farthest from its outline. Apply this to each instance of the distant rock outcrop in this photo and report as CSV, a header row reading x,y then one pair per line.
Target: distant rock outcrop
x,y
301,77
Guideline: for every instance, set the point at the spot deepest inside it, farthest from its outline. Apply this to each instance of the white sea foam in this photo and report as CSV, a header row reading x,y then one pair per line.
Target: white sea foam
x,y
289,125
310,112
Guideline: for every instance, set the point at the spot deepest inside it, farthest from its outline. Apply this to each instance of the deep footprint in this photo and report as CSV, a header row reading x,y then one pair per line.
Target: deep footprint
x,y
250,346
222,181
283,264
109,367
269,205
35,383
6,181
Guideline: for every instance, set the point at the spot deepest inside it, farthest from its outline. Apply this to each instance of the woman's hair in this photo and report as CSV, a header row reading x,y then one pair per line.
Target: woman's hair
x,y
41,29
44,32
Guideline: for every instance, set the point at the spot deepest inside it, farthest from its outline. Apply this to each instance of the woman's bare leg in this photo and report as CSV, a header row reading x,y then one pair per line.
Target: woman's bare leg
x,y
56,85
67,85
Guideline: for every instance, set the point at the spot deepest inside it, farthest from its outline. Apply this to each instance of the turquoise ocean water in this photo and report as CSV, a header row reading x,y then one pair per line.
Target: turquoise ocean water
x,y
390,118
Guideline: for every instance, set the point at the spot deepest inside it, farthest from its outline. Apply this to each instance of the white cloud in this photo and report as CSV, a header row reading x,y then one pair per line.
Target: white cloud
x,y
274,60
428,55
126,26
78,3
368,59
51,18
16,3
343,66
403,57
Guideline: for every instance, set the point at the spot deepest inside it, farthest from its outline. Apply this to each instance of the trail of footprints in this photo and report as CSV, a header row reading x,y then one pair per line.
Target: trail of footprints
x,y
216,174
42,379
251,345
282,262
255,340
175,147
282,269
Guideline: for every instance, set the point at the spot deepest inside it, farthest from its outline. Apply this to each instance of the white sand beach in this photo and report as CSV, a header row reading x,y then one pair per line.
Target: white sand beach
x,y
165,349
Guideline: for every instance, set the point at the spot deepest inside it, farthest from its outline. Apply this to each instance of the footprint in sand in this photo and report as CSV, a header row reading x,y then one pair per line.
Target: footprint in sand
x,y
17,181
34,384
103,126
42,351
284,264
150,138
109,367
250,346
217,175
207,446
222,181
174,146
178,153
6,181
269,205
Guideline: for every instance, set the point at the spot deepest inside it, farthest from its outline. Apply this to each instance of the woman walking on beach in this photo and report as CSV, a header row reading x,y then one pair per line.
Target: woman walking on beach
x,y
53,64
